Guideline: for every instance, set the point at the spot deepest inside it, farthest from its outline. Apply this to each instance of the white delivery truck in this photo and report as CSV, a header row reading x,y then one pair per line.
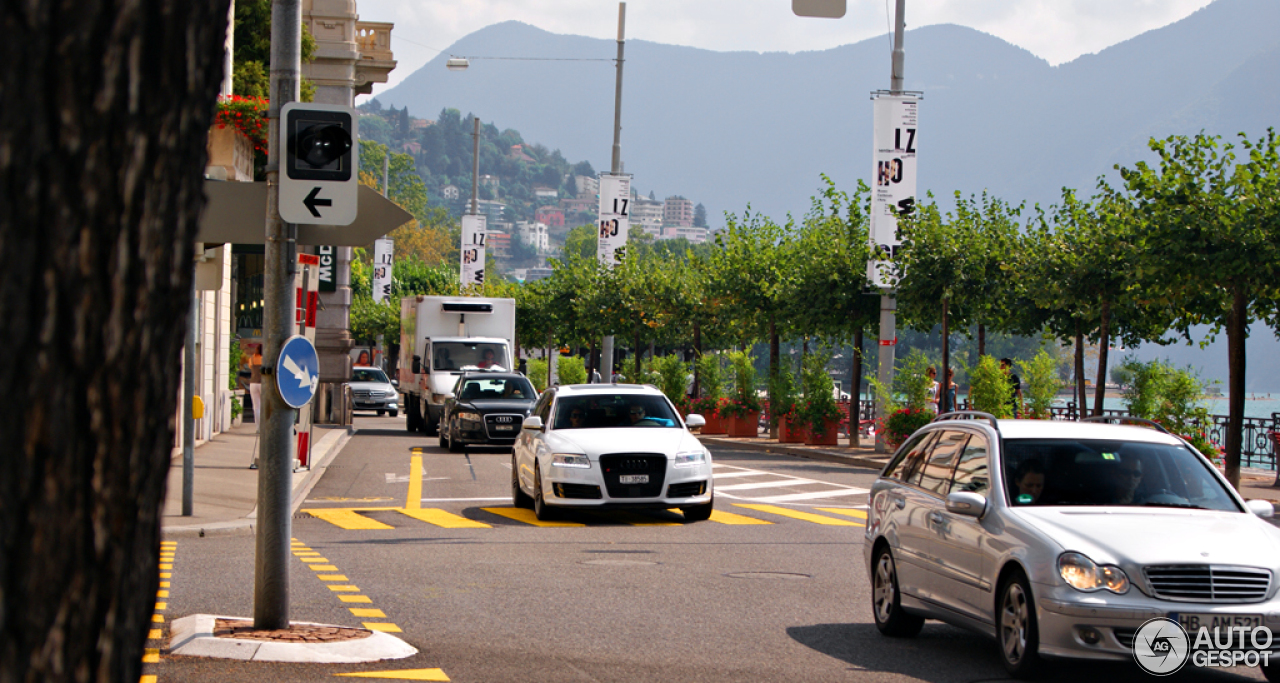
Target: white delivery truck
x,y
439,337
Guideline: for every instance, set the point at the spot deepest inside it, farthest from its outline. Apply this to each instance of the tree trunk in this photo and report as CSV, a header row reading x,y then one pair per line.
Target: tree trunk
x,y
1237,331
101,173
982,341
855,394
773,371
1081,396
697,356
639,353
1100,391
944,406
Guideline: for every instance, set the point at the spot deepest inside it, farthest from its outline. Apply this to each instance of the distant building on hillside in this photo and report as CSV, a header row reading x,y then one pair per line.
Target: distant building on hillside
x,y
551,215
535,274
517,153
677,211
450,192
491,209
490,181
535,234
580,205
694,235
543,192
586,186
647,214
499,243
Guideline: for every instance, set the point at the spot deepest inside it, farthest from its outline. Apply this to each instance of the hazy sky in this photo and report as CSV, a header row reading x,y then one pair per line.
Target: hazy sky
x,y
1055,30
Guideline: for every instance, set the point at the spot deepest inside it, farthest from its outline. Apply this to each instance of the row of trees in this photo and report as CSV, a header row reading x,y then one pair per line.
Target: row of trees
x,y
1189,240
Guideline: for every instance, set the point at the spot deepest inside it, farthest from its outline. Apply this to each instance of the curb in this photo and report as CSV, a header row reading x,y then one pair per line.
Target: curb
x,y
323,453
193,637
825,456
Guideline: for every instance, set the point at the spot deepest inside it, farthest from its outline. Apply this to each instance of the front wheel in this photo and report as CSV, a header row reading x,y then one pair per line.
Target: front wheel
x,y
429,427
886,599
1016,627
541,510
454,445
393,413
519,498
698,513
383,412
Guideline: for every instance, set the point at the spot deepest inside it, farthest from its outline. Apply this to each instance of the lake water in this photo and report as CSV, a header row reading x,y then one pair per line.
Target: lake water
x,y
1255,405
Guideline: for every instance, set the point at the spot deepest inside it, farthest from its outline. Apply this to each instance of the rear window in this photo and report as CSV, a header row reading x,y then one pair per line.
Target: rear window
x,y
1100,472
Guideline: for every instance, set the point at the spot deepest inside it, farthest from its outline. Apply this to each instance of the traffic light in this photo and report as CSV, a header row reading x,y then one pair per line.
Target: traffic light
x,y
320,181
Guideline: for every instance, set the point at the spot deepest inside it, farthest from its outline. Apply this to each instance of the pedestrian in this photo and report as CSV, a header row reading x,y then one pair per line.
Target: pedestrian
x,y
595,376
951,389
1015,386
255,385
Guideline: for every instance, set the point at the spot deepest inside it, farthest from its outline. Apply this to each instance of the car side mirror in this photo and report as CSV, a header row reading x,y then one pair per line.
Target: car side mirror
x,y
1261,508
966,503
395,382
533,423
417,365
448,395
695,421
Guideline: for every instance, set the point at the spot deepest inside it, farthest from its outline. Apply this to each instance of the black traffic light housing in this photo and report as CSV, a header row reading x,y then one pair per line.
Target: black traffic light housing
x,y
319,145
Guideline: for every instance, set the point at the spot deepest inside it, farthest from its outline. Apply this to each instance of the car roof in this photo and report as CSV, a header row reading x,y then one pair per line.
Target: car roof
x,y
1070,429
477,374
570,389
364,367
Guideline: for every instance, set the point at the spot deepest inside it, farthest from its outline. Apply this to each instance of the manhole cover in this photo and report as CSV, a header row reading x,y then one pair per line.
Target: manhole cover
x,y
768,575
619,563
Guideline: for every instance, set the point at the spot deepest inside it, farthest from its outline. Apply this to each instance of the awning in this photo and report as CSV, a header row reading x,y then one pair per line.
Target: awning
x,y
236,213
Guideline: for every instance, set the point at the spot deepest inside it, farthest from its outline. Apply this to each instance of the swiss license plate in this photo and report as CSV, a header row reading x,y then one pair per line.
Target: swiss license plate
x,y
503,428
633,479
1192,621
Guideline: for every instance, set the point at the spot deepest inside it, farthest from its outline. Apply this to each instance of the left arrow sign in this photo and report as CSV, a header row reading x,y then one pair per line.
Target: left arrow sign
x,y
312,201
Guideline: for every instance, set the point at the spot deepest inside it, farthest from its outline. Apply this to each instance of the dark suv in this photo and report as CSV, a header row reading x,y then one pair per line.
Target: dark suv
x,y
486,409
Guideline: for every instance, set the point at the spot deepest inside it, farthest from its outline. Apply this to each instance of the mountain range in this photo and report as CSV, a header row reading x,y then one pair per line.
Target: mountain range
x,y
732,129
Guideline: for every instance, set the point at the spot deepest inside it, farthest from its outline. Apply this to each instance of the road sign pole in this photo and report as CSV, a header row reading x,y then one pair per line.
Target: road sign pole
x,y
271,555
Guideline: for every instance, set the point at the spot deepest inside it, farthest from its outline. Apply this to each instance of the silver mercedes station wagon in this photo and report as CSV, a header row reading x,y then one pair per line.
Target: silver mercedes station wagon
x,y
1061,539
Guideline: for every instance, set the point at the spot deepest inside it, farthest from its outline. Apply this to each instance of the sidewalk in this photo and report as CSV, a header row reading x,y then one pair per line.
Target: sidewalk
x,y
225,490
1254,483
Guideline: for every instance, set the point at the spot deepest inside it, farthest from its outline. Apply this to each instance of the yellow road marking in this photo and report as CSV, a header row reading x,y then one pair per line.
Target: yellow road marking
x,y
847,512
730,518
796,514
355,598
151,655
310,560
413,500
164,584
444,519
166,566
526,516
162,606
147,679
157,618
323,567
166,575
348,518
162,594
332,577
155,634
403,675
344,589
367,612
382,626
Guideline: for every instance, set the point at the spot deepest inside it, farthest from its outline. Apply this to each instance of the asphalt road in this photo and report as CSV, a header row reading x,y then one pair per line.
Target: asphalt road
x,y
772,588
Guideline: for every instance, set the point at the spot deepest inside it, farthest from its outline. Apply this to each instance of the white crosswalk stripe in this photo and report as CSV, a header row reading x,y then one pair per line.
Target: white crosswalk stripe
x,y
786,488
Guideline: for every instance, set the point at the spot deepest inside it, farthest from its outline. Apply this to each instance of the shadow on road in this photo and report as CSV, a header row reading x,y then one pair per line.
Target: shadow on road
x,y
943,654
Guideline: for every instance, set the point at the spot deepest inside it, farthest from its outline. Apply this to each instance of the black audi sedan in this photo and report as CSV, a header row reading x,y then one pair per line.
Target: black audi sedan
x,y
486,409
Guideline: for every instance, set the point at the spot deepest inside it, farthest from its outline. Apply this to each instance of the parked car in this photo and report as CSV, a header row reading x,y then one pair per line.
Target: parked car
x,y
485,409
371,390
1061,539
596,446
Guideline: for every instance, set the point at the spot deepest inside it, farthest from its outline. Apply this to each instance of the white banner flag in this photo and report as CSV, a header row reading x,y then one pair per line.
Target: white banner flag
x,y
894,183
615,217
382,254
473,234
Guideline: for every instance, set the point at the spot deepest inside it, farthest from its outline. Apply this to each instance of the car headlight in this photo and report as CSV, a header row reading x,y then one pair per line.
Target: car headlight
x,y
1083,574
691,458
468,417
574,460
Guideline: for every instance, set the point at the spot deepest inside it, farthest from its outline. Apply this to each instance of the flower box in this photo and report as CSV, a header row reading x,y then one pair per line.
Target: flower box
x,y
792,431
747,425
715,424
829,436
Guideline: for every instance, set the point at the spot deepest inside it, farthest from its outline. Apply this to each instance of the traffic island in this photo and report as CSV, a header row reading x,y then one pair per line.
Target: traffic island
x,y
222,637
865,456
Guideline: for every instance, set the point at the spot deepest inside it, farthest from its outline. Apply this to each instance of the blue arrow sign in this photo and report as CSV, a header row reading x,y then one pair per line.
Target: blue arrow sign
x,y
298,371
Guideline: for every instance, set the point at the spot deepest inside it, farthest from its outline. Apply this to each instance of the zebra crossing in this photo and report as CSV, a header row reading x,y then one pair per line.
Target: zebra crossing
x,y
744,496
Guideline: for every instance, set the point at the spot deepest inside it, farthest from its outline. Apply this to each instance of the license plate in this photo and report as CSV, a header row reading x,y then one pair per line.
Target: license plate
x,y
1192,621
503,428
633,479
